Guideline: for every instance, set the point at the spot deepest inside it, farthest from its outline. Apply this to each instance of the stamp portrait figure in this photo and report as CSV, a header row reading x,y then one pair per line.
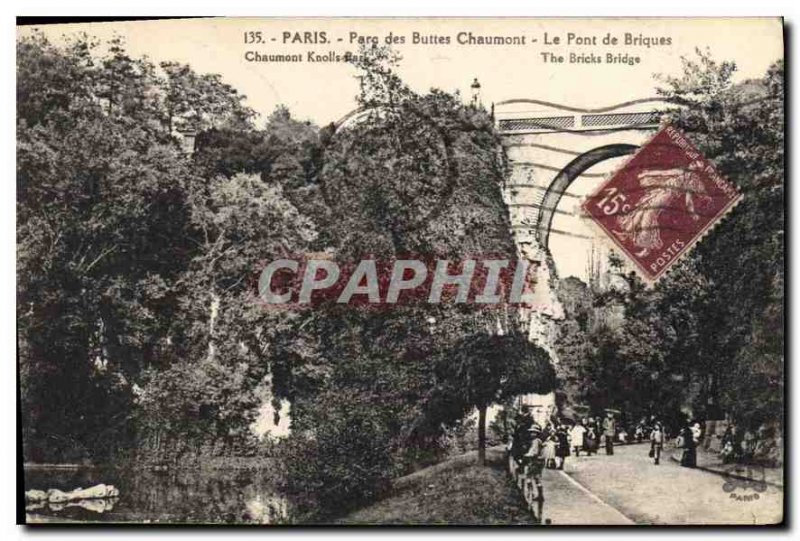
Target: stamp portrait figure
x,y
664,189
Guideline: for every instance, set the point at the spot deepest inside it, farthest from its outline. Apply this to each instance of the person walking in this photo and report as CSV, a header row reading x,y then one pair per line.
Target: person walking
x,y
609,431
521,439
656,442
697,433
590,440
549,451
534,464
728,450
689,455
748,446
562,450
576,437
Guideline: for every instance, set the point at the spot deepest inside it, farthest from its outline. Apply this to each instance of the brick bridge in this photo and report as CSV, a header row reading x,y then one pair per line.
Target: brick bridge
x,y
550,146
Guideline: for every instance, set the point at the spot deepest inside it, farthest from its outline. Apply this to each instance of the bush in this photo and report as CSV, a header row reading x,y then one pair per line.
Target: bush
x,y
342,463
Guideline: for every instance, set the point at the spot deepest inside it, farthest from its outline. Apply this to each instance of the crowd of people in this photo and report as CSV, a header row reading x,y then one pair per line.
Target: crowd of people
x,y
533,447
747,446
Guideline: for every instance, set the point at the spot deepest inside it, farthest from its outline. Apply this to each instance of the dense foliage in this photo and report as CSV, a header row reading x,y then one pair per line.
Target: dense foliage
x,y
709,337
136,330
139,334
417,174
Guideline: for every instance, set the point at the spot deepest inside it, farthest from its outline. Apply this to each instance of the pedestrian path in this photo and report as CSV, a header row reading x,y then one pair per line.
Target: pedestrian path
x,y
567,502
669,494
711,462
628,488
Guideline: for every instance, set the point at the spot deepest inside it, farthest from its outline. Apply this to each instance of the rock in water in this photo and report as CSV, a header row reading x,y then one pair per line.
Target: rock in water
x,y
35,496
98,491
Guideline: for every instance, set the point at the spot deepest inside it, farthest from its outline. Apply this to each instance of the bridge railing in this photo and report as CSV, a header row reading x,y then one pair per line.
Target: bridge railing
x,y
523,115
578,122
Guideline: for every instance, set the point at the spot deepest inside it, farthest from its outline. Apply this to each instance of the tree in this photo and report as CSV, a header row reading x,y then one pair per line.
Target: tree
x,y
119,235
420,175
709,336
195,102
490,368
220,338
100,198
287,153
740,128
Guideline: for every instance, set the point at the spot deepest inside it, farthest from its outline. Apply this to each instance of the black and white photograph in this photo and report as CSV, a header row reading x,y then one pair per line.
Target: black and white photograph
x,y
412,271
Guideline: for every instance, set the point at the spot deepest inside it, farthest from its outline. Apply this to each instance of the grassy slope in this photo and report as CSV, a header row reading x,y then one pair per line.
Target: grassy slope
x,y
457,491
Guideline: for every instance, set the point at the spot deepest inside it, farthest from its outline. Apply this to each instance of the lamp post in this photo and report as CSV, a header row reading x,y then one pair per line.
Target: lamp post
x,y
475,87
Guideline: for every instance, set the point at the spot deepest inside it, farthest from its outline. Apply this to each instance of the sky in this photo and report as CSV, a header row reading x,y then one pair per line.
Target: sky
x,y
324,92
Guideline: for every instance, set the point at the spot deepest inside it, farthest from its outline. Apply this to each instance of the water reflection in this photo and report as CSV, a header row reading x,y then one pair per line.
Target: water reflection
x,y
96,506
178,496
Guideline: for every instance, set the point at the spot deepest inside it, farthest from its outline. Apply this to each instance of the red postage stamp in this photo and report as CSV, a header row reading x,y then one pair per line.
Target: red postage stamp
x,y
661,202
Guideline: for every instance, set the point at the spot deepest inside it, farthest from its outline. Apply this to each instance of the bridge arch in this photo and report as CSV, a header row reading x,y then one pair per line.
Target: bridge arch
x,y
566,176
543,135
350,118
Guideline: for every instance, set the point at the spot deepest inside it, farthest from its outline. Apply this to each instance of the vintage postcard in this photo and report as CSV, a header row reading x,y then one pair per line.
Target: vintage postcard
x,y
401,271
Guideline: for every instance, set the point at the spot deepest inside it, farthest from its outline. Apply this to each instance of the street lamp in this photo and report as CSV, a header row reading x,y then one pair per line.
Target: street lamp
x,y
476,92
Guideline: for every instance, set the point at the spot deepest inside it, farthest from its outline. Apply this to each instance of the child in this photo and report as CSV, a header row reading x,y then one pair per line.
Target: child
x,y
576,437
656,443
727,452
549,453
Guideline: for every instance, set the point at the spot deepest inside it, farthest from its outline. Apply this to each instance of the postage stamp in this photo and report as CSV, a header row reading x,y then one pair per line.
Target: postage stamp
x,y
658,205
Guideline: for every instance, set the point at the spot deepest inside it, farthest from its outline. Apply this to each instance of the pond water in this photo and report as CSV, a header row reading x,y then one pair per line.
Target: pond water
x,y
220,496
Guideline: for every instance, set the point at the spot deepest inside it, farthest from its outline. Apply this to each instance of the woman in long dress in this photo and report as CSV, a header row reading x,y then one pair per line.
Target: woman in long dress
x,y
590,440
689,456
562,448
